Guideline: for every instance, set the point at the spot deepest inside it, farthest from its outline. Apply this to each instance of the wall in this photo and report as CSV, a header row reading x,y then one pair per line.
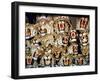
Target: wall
x,y
5,40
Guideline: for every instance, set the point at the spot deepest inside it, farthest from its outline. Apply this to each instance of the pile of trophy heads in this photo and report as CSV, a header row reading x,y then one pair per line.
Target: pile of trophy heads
x,y
54,41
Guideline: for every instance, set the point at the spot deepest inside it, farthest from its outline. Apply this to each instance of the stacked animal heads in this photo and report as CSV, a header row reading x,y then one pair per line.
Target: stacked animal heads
x,y
53,41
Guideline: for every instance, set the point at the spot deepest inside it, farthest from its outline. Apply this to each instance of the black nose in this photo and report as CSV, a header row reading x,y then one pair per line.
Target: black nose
x,y
39,43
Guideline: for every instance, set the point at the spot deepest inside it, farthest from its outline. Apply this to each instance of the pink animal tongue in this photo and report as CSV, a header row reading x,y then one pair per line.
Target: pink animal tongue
x,y
61,26
29,61
73,34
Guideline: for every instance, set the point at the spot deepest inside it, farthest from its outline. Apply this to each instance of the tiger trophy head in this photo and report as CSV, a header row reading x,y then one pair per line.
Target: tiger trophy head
x,y
84,38
62,24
